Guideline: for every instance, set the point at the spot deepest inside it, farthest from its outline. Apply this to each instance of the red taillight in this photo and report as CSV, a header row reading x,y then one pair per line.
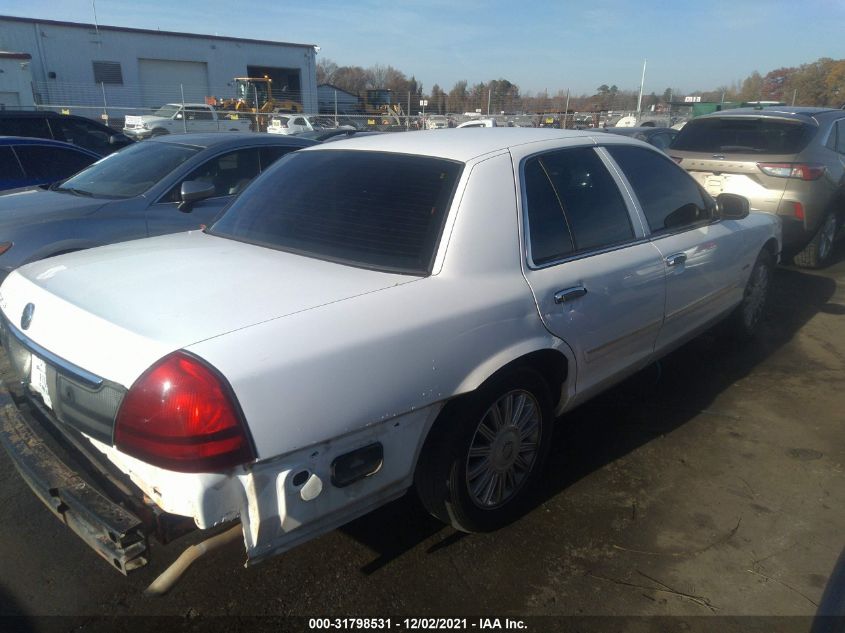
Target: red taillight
x,y
798,210
180,415
803,171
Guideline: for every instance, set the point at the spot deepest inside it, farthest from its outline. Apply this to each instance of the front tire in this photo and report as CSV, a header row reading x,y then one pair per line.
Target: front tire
x,y
486,452
817,253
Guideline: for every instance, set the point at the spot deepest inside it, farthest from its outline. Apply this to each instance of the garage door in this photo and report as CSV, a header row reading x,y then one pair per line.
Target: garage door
x,y
9,100
161,78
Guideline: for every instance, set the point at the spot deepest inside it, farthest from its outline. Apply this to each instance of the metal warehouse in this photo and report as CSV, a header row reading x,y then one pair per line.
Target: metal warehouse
x,y
77,65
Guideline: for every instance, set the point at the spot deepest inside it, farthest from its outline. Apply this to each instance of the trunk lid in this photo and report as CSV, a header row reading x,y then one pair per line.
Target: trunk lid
x,y
115,310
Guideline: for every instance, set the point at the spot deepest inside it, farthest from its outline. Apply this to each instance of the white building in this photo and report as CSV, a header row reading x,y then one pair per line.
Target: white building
x,y
114,67
15,80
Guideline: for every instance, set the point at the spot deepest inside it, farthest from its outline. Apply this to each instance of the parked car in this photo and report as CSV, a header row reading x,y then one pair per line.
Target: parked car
x,y
787,161
335,134
481,123
436,122
79,130
370,315
660,137
26,162
174,118
169,184
289,124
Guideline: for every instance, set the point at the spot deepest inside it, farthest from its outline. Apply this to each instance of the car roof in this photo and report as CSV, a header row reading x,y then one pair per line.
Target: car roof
x,y
454,144
634,130
231,139
788,112
34,140
25,114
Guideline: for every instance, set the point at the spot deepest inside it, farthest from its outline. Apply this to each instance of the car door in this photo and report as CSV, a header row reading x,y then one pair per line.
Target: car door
x,y
598,283
703,257
229,172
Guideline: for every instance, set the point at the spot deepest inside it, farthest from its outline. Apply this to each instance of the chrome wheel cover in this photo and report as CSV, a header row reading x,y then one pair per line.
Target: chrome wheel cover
x,y
755,295
503,450
826,235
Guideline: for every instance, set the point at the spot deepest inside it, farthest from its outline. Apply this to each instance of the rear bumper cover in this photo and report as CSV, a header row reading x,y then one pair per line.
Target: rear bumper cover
x,y
113,532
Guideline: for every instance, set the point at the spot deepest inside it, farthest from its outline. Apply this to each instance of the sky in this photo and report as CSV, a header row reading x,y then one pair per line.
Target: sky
x,y
688,44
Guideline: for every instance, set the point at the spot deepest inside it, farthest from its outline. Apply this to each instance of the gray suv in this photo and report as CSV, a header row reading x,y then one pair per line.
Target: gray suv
x,y
786,161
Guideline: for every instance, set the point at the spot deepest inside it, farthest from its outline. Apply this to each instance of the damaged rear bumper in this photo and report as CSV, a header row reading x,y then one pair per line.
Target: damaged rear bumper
x,y
116,534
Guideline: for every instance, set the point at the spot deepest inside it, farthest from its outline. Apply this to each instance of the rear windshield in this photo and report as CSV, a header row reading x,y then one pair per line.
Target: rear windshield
x,y
369,209
744,136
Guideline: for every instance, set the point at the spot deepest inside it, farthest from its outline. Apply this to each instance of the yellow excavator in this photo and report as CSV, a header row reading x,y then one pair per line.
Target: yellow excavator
x,y
254,95
381,112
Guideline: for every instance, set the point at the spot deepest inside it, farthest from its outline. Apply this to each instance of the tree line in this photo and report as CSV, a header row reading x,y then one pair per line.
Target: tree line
x,y
820,83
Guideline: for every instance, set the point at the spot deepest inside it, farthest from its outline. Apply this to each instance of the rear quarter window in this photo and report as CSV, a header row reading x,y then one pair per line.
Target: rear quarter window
x,y
744,135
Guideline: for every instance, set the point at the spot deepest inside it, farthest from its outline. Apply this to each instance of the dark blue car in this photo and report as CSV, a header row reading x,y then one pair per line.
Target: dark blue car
x,y
26,162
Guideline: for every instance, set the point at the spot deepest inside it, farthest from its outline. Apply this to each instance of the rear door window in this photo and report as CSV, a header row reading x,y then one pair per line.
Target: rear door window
x,y
374,210
670,198
744,135
573,205
34,127
51,163
10,169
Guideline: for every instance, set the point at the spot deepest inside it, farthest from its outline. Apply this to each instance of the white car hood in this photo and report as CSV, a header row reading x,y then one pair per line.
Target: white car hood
x,y
116,309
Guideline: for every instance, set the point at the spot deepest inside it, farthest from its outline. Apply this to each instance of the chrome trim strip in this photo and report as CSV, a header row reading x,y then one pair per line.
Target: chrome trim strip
x,y
612,346
692,307
58,363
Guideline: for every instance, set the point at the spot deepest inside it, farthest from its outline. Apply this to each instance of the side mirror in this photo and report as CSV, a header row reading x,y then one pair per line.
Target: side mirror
x,y
119,139
731,206
193,191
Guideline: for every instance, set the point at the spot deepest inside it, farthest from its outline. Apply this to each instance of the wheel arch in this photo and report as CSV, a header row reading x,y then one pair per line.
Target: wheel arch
x,y
552,358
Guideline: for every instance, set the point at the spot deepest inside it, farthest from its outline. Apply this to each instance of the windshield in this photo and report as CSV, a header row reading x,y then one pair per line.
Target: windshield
x,y
167,111
369,209
744,135
129,172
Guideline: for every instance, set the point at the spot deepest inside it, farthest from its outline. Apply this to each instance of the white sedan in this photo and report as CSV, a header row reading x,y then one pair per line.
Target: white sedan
x,y
382,313
289,124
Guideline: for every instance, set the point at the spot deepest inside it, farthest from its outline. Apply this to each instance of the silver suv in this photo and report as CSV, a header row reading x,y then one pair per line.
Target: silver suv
x,y
786,161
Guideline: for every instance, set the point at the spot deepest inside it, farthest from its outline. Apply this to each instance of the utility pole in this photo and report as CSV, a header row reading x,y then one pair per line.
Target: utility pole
x,y
640,98
566,109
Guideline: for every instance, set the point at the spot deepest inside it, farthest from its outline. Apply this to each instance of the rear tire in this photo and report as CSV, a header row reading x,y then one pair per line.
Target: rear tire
x,y
486,452
745,320
817,253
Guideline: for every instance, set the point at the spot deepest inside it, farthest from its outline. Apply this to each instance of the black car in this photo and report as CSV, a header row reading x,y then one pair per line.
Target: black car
x,y
78,130
660,137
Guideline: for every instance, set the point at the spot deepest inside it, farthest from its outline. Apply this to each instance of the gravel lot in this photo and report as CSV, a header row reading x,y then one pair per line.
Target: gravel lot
x,y
709,483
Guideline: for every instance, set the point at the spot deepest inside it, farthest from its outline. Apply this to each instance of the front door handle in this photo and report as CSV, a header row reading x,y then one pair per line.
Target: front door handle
x,y
570,294
676,260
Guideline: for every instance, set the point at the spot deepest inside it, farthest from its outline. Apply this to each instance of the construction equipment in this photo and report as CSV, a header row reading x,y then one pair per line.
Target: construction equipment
x,y
380,110
254,95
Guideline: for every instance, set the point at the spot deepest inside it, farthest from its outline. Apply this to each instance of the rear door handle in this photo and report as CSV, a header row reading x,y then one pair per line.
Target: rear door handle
x,y
676,260
570,294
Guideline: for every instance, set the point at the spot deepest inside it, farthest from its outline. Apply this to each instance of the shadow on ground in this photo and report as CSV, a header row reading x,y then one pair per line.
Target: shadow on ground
x,y
653,402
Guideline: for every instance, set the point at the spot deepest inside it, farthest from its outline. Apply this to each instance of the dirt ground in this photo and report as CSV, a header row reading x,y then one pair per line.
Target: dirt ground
x,y
710,483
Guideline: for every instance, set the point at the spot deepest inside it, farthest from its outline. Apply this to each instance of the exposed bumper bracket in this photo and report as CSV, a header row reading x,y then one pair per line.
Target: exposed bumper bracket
x,y
109,529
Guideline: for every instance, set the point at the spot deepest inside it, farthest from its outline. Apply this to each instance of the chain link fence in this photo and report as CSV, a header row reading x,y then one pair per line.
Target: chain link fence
x,y
379,109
